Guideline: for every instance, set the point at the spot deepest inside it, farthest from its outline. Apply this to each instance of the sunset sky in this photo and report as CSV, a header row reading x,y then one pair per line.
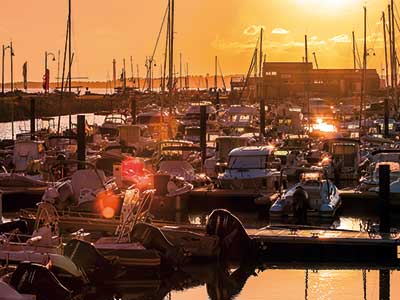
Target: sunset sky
x,y
103,30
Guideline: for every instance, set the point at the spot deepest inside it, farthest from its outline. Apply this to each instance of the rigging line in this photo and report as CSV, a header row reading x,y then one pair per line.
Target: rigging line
x,y
159,33
156,45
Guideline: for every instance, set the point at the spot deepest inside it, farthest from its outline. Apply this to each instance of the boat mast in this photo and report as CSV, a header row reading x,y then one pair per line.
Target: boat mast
x,y
363,72
132,78
307,97
261,52
394,55
216,74
63,76
70,59
171,53
354,51
180,71
386,57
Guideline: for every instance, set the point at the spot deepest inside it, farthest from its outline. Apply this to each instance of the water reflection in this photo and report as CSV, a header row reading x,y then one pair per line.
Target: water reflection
x,y
216,282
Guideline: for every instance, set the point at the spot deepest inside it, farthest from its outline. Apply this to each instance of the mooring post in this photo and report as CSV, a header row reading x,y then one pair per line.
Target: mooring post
x,y
384,198
81,140
1,206
384,284
32,117
262,117
386,118
217,103
203,133
133,108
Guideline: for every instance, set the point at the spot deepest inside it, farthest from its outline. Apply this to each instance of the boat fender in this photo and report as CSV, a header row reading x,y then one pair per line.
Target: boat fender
x,y
152,237
31,278
234,241
88,259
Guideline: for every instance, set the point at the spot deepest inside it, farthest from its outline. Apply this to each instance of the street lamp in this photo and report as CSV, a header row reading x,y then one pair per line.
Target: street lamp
x,y
46,55
12,54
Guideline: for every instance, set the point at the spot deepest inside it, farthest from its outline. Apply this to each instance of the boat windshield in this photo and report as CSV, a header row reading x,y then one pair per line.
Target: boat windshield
x,y
248,162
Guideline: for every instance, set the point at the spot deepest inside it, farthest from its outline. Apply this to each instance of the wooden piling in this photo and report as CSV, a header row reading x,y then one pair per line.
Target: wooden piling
x,y
81,140
133,108
1,207
384,284
33,117
386,118
384,198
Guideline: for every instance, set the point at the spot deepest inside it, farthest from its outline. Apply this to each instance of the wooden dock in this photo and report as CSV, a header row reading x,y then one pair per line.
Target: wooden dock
x,y
282,244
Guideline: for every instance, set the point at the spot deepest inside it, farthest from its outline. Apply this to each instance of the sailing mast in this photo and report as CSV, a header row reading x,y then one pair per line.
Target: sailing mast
x,y
261,52
394,55
216,74
354,51
69,60
386,57
132,78
364,71
307,96
180,71
171,53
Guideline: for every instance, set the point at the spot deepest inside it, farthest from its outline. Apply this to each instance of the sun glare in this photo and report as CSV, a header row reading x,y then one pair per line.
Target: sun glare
x,y
325,5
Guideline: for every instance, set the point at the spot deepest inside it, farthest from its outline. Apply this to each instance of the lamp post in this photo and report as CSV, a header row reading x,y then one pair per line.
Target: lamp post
x,y
11,67
46,55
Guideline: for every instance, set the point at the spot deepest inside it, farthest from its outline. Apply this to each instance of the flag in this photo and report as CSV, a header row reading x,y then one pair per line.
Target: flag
x,y
25,75
46,80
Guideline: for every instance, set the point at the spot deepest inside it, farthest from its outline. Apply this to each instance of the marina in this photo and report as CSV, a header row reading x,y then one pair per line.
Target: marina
x,y
214,161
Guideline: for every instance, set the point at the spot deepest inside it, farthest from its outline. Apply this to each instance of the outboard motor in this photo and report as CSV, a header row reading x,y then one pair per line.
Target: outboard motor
x,y
234,241
152,237
30,278
300,205
88,259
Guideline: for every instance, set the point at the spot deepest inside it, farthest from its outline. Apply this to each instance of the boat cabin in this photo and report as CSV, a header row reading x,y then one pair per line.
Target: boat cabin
x,y
26,152
345,154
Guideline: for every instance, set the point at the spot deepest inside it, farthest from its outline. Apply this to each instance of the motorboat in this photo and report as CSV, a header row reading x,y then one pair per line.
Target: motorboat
x,y
249,169
321,197
136,139
192,117
24,185
345,154
158,123
239,119
112,121
380,157
30,281
223,145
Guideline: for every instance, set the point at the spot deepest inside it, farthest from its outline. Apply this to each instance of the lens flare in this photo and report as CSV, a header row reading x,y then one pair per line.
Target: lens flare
x,y
108,212
107,203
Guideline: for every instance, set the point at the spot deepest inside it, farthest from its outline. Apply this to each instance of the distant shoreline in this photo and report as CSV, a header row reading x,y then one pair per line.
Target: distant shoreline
x,y
194,82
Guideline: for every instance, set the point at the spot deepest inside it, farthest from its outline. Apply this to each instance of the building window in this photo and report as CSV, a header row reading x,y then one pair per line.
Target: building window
x,y
273,73
286,76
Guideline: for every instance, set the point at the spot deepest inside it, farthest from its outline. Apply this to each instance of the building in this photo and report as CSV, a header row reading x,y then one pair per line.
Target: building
x,y
290,79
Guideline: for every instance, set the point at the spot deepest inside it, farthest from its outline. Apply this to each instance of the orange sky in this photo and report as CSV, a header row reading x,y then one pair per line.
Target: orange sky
x,y
105,29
